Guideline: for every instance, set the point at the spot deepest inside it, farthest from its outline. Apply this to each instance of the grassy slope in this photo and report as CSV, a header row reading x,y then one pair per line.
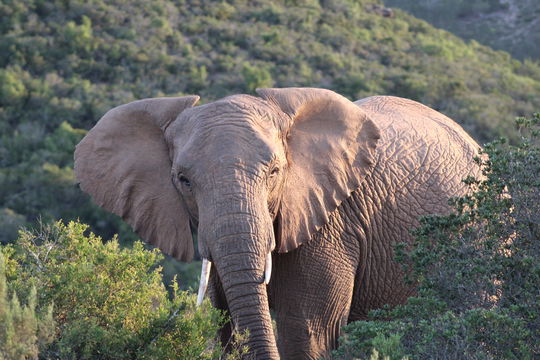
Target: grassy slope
x,y
510,25
64,63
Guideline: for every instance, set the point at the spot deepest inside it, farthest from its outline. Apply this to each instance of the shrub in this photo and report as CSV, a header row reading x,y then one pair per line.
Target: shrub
x,y
12,89
109,302
256,77
22,331
10,222
477,269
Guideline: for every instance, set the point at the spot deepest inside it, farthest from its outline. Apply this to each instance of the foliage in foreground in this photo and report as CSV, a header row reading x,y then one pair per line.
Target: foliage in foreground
x,y
109,303
478,270
22,331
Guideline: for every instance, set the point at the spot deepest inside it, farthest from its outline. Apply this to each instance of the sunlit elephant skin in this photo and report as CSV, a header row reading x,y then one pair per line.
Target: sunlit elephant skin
x,y
323,184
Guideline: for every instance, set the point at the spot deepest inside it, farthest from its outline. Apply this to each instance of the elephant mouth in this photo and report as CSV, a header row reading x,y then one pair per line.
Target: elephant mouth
x,y
205,275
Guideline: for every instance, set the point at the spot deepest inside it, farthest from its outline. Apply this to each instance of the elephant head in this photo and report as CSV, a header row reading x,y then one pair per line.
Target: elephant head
x,y
251,174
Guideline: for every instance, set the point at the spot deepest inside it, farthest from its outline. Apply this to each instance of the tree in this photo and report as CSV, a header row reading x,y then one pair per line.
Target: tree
x,y
22,330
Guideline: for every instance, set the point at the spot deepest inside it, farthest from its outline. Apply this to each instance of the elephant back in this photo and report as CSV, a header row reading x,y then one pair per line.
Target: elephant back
x,y
410,127
421,152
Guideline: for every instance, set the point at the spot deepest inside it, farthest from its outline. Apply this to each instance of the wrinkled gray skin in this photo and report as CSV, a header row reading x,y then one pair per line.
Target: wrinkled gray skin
x,y
242,172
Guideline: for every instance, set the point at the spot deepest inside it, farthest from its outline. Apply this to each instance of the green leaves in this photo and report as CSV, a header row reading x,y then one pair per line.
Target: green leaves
x,y
109,302
477,269
79,38
256,77
12,89
23,332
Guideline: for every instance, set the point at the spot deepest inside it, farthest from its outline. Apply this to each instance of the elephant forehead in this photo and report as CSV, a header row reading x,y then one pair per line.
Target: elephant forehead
x,y
222,149
241,111
233,124
235,112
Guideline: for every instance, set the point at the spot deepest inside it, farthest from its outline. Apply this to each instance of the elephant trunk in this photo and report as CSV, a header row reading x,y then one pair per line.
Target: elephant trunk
x,y
239,250
248,305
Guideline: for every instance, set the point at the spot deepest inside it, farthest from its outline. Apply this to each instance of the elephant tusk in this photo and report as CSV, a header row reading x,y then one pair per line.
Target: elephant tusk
x,y
203,284
268,268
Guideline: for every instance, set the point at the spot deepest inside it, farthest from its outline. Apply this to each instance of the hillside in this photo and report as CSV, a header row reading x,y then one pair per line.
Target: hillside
x,y
510,25
64,63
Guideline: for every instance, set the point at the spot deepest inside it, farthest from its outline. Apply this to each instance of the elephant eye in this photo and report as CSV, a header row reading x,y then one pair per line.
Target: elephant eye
x,y
184,181
274,171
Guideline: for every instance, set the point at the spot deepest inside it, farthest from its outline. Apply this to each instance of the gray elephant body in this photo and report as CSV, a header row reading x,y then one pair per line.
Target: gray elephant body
x,y
346,270
330,185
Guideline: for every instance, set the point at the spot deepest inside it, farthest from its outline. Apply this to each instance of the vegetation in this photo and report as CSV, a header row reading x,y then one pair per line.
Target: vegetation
x,y
478,270
510,25
22,331
64,63
106,302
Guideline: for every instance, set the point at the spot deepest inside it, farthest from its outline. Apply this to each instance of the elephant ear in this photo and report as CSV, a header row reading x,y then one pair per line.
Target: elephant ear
x,y
330,146
123,163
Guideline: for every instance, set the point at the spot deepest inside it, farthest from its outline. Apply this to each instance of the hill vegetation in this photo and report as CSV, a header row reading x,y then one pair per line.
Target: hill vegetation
x,y
64,63
510,25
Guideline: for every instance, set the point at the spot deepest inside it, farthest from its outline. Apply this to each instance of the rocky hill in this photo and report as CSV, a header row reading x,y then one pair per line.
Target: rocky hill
x,y
510,25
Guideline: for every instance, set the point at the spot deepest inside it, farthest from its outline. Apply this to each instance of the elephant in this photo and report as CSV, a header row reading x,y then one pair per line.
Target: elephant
x,y
296,195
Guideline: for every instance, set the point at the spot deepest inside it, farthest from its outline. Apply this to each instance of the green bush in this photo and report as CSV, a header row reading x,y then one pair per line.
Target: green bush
x,y
109,302
10,222
22,331
256,77
477,270
12,89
